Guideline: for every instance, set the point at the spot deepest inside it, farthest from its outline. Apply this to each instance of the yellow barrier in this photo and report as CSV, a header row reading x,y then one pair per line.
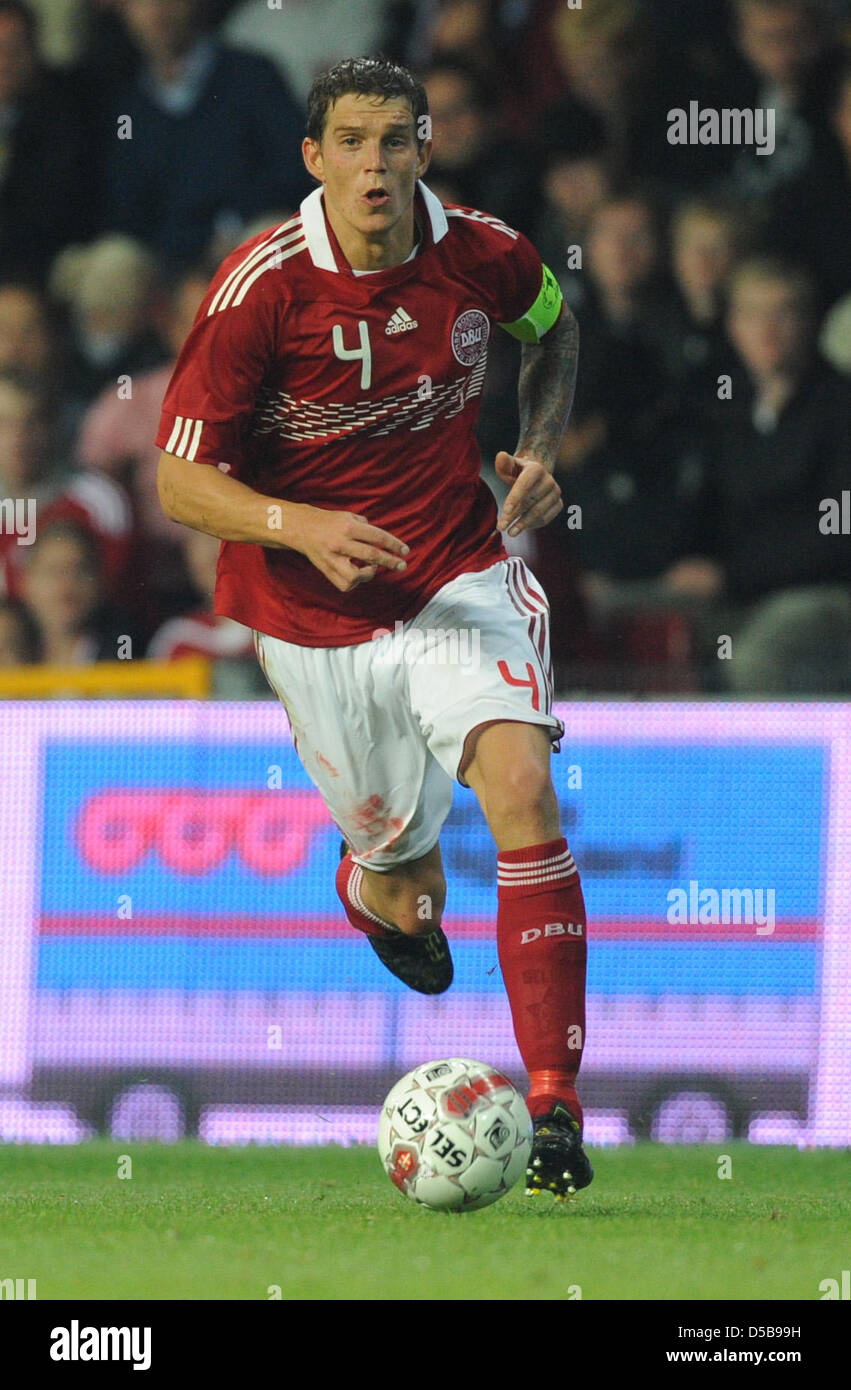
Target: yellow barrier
x,y
189,679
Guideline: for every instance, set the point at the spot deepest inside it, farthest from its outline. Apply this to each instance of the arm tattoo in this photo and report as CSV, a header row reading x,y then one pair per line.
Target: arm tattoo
x,y
545,389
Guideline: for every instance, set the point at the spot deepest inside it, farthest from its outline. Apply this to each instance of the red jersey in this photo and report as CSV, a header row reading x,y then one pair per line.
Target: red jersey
x,y
359,393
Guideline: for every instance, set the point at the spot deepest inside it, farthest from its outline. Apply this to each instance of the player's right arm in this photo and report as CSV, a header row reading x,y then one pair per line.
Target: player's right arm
x,y
342,545
206,418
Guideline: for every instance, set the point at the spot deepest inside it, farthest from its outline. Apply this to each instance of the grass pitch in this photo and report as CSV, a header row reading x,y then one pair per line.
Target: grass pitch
x,y
202,1223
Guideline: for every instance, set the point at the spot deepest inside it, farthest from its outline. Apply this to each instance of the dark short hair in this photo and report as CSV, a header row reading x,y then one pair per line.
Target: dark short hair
x,y
377,77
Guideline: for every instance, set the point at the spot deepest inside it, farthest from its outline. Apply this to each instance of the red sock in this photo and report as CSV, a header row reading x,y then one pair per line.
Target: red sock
x,y
349,879
540,930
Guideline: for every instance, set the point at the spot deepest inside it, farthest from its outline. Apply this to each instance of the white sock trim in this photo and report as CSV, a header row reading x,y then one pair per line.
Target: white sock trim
x,y
505,866
355,881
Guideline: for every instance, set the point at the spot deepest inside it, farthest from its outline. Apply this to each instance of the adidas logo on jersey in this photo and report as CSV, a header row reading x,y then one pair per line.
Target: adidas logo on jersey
x,y
400,322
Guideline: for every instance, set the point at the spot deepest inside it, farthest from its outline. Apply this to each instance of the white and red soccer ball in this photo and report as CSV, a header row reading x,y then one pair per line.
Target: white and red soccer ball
x,y
454,1135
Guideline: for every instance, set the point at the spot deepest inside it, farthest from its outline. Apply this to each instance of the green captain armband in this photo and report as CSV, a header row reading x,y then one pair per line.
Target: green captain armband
x,y
540,318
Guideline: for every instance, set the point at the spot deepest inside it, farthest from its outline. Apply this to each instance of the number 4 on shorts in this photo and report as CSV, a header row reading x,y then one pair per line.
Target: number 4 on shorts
x,y
530,682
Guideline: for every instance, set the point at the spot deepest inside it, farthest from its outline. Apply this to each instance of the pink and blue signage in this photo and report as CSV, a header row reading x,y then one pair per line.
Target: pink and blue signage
x,y
170,922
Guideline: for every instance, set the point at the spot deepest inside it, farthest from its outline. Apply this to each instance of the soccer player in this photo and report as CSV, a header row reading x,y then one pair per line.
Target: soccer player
x,y
320,421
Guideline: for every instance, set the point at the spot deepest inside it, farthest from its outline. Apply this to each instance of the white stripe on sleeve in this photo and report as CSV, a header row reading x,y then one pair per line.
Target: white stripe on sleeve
x,y
172,439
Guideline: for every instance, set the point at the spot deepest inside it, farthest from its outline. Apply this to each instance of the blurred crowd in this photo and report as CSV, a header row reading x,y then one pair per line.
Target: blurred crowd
x,y
706,469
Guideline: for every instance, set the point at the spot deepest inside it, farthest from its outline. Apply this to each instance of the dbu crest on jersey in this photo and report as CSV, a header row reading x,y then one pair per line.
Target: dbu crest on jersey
x,y
470,333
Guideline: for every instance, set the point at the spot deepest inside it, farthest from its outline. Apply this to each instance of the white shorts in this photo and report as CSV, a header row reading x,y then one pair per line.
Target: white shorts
x,y
380,726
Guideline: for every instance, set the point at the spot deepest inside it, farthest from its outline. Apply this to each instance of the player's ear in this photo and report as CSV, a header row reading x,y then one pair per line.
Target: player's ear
x,y
311,153
424,157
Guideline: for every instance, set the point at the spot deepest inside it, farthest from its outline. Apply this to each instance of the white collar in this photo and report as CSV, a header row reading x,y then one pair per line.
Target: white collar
x,y
316,232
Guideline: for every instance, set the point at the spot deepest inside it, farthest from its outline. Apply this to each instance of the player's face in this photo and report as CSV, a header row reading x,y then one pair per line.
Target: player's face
x,y
369,162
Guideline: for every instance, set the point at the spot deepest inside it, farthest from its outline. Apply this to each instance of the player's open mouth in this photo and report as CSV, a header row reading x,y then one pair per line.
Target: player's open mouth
x,y
376,197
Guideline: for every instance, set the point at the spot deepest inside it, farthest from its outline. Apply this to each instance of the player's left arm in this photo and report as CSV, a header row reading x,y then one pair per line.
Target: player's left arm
x,y
547,382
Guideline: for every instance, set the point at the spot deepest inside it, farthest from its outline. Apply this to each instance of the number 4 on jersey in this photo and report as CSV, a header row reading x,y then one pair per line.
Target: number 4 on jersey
x,y
364,352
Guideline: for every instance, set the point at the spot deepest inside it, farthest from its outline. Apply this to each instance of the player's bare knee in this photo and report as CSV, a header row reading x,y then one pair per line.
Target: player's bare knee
x,y
525,791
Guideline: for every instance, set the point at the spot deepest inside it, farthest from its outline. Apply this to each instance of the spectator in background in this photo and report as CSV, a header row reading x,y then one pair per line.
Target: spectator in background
x,y
267,221
611,70
18,635
616,456
30,335
623,368
789,57
835,336
27,336
215,136
111,291
811,218
575,180
201,632
33,341
63,588
472,32
302,37
34,473
777,451
474,161
623,256
707,237
62,26
117,437
46,183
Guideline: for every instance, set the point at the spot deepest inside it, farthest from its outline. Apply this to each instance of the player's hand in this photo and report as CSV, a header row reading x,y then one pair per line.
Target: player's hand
x,y
347,549
535,496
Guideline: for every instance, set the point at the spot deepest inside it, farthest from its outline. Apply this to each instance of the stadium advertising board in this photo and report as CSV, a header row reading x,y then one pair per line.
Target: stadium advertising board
x,y
175,959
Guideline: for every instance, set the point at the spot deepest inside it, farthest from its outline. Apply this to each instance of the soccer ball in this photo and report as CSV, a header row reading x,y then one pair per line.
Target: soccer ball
x,y
454,1135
